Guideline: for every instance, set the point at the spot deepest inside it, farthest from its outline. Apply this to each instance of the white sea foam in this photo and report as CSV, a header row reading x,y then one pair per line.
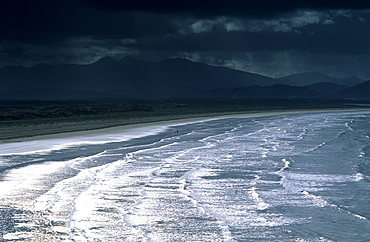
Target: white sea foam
x,y
286,165
317,200
358,177
260,204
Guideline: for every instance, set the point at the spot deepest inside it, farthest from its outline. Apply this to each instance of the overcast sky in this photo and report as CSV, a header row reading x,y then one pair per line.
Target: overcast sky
x,y
270,37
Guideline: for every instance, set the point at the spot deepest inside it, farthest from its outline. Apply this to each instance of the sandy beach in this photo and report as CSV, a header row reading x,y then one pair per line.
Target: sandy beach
x,y
18,133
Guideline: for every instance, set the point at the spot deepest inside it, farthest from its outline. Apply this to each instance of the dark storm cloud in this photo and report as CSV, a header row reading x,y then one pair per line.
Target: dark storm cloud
x,y
65,31
45,20
334,38
261,35
250,8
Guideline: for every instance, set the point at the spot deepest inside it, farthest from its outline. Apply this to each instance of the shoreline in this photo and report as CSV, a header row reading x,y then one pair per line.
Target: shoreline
x,y
20,133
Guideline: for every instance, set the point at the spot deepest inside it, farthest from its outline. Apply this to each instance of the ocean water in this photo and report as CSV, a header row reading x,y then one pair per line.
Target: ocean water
x,y
287,177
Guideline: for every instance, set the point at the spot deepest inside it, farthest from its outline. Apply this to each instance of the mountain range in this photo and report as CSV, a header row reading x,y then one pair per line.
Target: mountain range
x,y
172,78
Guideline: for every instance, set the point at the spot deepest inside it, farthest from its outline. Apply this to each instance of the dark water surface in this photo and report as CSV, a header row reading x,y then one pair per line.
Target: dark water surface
x,y
289,177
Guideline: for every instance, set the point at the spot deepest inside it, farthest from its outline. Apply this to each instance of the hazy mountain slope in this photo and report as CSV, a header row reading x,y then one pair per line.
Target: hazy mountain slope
x,y
350,81
360,91
309,78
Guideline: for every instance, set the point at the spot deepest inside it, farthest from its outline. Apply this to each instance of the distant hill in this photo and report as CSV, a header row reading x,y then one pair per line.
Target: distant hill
x,y
359,92
173,78
326,87
128,78
309,78
275,91
55,94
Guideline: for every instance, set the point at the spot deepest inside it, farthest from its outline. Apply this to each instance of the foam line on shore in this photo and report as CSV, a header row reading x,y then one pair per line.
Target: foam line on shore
x,y
88,130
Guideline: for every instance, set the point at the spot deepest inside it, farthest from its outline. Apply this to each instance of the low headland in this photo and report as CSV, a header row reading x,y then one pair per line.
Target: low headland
x,y
21,119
